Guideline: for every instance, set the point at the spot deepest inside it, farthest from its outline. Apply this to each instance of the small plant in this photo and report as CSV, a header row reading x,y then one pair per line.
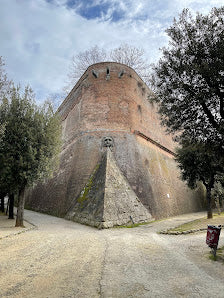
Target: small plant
x,y
219,255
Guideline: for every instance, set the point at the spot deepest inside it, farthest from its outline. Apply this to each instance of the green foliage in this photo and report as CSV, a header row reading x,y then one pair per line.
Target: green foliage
x,y
188,81
30,139
218,192
5,83
5,87
188,85
198,161
30,142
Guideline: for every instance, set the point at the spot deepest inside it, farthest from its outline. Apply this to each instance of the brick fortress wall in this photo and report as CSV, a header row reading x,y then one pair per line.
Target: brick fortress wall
x,y
111,100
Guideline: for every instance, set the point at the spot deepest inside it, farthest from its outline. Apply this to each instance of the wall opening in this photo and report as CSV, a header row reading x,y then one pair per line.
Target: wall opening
x,y
108,74
121,74
95,74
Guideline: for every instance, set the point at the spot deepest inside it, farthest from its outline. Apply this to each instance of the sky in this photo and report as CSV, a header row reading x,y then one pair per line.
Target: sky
x,y
39,37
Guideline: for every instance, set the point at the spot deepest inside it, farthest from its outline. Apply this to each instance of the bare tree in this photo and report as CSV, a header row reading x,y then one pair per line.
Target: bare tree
x,y
80,63
55,99
133,57
125,54
129,55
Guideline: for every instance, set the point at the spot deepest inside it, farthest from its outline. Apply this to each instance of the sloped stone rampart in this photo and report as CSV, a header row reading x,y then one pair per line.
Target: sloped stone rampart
x,y
107,200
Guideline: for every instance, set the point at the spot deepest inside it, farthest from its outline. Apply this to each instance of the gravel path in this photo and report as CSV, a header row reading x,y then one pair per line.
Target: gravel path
x,y
64,259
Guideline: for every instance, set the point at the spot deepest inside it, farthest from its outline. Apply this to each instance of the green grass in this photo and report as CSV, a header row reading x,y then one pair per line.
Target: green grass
x,y
188,226
200,223
219,255
133,225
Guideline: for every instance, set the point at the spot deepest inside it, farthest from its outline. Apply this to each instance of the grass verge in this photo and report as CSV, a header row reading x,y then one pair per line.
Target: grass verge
x,y
197,225
134,225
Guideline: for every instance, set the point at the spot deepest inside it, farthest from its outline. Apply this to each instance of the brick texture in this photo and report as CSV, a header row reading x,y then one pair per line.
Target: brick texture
x,y
115,105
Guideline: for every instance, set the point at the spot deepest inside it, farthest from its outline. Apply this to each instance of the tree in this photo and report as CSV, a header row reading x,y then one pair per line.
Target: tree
x,y
218,193
30,143
125,54
188,85
199,162
5,83
132,57
11,205
188,81
5,87
2,202
81,62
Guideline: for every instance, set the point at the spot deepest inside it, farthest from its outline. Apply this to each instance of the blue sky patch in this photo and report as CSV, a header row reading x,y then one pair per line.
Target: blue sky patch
x,y
117,15
91,11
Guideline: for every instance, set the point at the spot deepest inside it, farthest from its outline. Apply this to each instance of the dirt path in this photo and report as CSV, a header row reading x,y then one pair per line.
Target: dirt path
x,y
65,259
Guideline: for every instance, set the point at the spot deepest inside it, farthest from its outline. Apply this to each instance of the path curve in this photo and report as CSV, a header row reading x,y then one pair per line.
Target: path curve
x,y
65,259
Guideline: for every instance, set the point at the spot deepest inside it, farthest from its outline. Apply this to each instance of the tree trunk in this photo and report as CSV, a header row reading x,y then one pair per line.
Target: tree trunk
x,y
20,208
209,202
2,207
218,206
11,206
7,207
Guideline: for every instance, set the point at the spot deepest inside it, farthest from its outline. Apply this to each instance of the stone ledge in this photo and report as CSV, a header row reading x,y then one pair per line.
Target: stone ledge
x,y
170,232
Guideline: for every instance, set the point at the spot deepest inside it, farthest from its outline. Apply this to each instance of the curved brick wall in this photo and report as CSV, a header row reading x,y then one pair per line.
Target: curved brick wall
x,y
111,100
115,100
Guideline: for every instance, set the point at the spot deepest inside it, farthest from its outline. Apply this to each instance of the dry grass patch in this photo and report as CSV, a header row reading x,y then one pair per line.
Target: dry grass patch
x,y
198,224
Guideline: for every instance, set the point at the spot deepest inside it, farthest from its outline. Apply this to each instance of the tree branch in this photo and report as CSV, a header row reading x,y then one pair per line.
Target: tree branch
x,y
219,93
205,109
209,115
222,106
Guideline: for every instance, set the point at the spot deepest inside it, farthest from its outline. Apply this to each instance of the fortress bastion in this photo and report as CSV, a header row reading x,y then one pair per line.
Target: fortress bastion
x,y
117,163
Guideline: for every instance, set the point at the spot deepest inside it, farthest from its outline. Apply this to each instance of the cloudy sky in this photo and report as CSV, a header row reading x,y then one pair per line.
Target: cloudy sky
x,y
39,37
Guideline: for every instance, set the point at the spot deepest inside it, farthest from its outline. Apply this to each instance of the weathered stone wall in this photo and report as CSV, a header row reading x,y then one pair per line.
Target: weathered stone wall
x,y
111,100
107,199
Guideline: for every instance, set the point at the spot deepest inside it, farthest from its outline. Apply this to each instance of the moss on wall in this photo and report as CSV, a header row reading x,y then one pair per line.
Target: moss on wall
x,y
84,193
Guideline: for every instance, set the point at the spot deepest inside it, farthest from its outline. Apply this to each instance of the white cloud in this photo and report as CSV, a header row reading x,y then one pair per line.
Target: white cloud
x,y
39,38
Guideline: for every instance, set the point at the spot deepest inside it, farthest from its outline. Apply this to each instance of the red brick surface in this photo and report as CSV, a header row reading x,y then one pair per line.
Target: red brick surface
x,y
115,106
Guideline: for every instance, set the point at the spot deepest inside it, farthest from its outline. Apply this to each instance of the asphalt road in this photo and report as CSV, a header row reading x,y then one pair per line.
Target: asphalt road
x,y
65,259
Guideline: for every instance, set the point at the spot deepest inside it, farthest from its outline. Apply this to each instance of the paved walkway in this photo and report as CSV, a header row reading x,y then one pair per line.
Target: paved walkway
x,y
64,259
